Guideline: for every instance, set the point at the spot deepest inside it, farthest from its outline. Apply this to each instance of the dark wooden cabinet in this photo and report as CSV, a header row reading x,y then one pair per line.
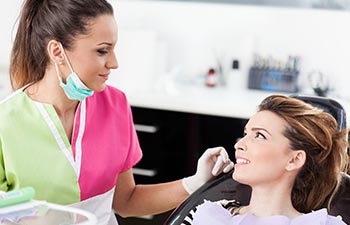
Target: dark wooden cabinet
x,y
219,131
172,142
164,140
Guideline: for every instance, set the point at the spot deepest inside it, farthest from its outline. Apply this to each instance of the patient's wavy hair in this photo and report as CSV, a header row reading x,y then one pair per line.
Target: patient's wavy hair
x,y
316,132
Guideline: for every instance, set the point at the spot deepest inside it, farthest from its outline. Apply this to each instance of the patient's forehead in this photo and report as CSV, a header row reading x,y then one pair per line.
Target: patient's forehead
x,y
267,120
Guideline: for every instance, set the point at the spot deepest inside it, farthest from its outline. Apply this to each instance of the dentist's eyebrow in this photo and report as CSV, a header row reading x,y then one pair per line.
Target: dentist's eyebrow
x,y
105,43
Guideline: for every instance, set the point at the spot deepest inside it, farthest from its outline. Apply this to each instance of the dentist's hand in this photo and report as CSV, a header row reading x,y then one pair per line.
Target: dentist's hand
x,y
210,164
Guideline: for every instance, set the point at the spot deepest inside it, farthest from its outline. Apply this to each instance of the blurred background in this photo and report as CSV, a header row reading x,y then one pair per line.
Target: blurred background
x,y
195,71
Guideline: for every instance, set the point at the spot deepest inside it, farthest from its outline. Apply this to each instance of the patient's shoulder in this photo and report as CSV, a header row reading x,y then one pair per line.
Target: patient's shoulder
x,y
232,206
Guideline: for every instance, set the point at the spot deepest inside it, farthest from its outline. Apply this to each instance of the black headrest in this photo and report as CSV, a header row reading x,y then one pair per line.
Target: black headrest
x,y
328,105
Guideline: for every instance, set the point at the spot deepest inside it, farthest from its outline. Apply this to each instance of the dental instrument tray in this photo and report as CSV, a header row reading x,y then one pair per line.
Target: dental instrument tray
x,y
270,75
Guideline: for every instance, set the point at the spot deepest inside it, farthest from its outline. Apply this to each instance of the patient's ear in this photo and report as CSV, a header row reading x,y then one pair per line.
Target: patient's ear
x,y
297,160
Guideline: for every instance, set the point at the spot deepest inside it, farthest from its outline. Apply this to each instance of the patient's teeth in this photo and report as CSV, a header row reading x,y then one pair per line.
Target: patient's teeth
x,y
242,161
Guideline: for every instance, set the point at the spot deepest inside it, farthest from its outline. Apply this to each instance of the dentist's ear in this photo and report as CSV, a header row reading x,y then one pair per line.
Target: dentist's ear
x,y
297,160
54,51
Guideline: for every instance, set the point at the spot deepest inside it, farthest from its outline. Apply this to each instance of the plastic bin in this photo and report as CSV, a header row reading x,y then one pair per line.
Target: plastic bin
x,y
44,213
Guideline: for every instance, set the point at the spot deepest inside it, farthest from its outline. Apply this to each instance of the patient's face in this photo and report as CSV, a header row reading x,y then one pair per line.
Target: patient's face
x,y
263,153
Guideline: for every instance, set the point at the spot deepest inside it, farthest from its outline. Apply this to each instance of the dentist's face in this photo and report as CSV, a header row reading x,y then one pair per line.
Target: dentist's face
x,y
92,56
263,153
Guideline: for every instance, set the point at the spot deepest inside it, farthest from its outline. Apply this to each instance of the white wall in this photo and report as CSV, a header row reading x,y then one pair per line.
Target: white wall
x,y
157,37
194,32
9,11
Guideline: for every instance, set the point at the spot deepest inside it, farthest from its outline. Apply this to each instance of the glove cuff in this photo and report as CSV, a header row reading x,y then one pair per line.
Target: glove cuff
x,y
189,184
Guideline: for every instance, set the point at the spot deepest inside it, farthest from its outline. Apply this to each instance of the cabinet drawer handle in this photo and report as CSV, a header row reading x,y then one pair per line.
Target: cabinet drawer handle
x,y
144,172
146,128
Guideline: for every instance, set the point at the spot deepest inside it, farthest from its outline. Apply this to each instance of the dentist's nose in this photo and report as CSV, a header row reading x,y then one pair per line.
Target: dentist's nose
x,y
113,62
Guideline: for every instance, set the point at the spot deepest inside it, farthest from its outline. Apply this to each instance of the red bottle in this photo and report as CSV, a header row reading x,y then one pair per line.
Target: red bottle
x,y
211,79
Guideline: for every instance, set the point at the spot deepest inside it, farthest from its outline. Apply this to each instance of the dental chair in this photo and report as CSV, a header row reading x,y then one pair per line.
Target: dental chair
x,y
224,187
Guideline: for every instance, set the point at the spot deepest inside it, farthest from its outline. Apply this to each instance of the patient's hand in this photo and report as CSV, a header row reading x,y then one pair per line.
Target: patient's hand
x,y
210,164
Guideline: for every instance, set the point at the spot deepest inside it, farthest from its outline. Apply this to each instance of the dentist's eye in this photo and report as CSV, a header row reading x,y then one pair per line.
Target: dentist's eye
x,y
102,52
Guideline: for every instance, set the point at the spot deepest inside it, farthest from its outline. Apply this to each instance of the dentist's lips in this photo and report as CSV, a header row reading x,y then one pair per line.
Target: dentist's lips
x,y
104,76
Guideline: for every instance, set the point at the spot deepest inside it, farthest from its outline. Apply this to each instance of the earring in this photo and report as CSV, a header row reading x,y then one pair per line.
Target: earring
x,y
60,62
289,167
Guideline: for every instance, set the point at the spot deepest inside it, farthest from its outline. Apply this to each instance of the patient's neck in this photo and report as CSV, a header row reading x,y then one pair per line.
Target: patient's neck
x,y
271,201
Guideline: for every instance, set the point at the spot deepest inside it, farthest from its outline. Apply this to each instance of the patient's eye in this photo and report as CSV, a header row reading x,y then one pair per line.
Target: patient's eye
x,y
259,135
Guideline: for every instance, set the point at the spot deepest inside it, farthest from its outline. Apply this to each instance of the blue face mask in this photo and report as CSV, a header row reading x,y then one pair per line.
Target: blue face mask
x,y
74,88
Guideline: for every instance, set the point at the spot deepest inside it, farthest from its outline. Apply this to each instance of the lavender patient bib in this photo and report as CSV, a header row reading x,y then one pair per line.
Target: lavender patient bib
x,y
210,213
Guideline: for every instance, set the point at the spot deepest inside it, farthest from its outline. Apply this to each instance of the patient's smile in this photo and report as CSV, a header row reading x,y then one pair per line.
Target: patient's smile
x,y
242,161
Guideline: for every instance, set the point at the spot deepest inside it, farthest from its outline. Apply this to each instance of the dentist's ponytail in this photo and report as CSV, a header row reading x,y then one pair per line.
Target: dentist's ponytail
x,y
21,61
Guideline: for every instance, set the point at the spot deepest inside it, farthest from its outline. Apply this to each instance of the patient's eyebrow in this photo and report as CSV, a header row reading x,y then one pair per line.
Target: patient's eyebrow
x,y
259,129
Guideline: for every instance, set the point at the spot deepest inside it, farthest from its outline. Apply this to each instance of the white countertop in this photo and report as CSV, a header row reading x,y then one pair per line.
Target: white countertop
x,y
191,98
218,101
194,98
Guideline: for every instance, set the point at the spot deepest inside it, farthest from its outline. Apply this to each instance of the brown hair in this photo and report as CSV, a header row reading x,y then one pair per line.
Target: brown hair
x,y
41,21
316,132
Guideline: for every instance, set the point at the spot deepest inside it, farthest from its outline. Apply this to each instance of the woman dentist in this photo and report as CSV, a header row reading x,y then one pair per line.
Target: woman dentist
x,y
68,134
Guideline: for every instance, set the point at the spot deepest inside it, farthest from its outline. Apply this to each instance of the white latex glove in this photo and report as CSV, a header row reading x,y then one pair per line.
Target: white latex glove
x,y
210,164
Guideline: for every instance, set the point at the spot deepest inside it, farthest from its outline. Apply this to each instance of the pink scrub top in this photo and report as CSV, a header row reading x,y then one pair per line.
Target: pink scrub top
x,y
35,150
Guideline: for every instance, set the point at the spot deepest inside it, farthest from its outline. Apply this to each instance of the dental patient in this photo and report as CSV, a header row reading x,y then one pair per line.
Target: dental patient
x,y
292,155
